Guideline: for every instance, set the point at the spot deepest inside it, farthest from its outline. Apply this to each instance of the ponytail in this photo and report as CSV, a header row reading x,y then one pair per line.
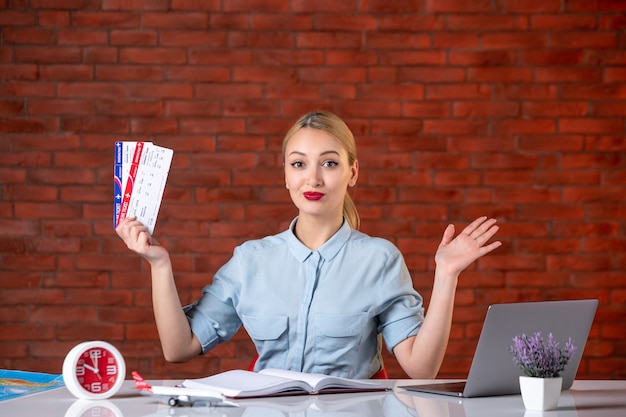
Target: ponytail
x,y
350,212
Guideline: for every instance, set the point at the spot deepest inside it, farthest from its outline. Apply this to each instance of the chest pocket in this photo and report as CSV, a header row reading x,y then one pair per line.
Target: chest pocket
x,y
338,338
269,334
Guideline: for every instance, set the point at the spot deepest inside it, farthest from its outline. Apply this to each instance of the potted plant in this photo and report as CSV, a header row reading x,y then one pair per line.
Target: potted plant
x,y
541,362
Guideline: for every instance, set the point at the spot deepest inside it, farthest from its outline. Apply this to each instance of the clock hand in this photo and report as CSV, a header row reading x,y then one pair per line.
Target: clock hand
x,y
94,358
94,370
91,368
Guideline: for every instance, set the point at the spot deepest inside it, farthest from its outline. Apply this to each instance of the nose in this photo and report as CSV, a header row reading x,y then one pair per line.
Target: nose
x,y
314,178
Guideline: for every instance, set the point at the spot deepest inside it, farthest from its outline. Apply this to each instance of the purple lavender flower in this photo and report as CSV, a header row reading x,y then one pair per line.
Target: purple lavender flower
x,y
540,359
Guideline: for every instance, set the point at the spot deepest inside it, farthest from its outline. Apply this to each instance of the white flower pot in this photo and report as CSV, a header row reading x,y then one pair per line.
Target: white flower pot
x,y
540,394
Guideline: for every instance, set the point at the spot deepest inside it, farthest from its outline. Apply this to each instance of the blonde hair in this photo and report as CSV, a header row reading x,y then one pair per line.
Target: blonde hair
x,y
337,128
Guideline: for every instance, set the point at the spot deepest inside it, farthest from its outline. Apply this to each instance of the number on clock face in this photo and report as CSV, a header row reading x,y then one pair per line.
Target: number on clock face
x,y
97,370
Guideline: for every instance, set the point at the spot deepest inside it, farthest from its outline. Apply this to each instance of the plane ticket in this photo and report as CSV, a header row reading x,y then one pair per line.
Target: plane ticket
x,y
141,170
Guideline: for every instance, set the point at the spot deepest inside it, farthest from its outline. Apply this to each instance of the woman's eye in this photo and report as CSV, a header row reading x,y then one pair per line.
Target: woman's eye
x,y
297,164
330,164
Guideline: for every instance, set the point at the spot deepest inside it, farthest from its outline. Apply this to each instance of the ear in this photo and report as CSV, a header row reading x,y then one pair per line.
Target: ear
x,y
354,174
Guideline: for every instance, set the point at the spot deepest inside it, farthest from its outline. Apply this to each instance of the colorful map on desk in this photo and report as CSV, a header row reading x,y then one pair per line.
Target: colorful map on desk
x,y
17,383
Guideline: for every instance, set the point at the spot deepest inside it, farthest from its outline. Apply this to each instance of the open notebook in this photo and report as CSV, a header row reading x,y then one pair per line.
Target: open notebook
x,y
279,382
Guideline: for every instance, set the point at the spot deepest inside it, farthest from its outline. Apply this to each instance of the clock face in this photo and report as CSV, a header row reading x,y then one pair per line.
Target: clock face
x,y
94,370
97,370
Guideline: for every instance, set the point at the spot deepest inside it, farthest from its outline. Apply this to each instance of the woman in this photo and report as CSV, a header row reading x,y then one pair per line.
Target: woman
x,y
320,296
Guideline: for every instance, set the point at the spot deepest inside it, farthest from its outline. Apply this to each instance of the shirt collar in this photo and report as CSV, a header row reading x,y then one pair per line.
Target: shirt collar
x,y
327,251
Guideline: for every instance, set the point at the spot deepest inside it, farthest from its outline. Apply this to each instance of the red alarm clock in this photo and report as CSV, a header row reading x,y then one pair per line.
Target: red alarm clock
x,y
94,370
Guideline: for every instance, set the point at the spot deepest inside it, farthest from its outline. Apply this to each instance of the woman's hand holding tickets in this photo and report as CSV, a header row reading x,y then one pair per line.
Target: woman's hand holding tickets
x,y
138,239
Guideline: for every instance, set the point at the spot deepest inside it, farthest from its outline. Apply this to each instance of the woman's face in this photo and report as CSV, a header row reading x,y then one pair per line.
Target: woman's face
x,y
317,173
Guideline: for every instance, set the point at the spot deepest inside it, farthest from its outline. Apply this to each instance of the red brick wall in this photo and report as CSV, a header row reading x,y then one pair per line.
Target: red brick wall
x,y
508,108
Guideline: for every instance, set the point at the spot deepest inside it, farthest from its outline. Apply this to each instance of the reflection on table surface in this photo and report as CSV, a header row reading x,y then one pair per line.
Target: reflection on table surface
x,y
586,398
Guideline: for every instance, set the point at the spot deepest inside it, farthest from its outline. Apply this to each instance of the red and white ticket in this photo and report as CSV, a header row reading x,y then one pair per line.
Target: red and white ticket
x,y
144,177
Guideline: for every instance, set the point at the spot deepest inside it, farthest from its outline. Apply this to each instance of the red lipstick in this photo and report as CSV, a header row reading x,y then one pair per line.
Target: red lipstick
x,y
313,196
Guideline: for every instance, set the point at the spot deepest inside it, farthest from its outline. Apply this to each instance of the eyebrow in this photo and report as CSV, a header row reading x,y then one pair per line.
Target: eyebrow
x,y
322,154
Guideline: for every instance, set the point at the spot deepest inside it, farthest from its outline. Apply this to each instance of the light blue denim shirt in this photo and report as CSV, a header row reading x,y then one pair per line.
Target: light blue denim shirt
x,y
317,311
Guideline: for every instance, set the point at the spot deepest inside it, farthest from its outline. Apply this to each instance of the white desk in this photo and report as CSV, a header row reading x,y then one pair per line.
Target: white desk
x,y
586,398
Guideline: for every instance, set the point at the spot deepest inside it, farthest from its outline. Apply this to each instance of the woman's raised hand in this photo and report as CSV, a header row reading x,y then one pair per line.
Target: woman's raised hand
x,y
457,253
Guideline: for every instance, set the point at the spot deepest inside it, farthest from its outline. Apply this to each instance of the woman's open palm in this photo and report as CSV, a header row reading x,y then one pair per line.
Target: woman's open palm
x,y
457,253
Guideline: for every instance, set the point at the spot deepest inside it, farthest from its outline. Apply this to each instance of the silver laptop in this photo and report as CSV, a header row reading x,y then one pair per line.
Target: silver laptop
x,y
493,371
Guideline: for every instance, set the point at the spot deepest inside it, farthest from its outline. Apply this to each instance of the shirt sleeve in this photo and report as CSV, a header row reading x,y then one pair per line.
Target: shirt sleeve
x,y
402,312
213,318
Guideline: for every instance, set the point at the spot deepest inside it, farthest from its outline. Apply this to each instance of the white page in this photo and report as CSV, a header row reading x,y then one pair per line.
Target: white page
x,y
238,382
312,379
320,381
